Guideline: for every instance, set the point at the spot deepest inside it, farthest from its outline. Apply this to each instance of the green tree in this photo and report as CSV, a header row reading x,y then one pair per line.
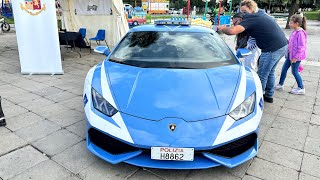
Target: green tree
x,y
293,9
178,4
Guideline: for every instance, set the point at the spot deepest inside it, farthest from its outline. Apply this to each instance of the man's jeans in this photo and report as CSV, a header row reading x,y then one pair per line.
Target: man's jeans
x,y
267,64
295,72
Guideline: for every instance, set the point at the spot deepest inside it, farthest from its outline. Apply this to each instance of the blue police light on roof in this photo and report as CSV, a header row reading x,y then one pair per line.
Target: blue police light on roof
x,y
173,21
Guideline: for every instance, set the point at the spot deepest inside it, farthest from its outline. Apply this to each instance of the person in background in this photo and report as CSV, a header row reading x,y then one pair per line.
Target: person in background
x,y
270,39
237,8
300,12
58,9
297,51
222,11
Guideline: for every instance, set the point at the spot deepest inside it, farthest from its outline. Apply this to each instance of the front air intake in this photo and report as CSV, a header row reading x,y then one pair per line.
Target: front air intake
x,y
108,143
237,147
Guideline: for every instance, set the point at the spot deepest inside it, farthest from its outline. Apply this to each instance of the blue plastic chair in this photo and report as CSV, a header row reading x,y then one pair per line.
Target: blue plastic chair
x,y
101,36
83,32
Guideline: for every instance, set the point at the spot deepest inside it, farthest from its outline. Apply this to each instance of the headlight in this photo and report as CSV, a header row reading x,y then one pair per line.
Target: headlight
x,y
244,109
100,104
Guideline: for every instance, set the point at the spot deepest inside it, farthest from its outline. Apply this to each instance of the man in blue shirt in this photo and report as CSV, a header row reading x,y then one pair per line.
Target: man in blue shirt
x,y
269,38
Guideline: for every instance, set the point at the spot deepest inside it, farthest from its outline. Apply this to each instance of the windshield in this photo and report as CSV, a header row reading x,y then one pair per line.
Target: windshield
x,y
173,50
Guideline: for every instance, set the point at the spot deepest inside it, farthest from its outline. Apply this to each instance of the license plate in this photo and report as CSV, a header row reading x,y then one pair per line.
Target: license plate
x,y
172,154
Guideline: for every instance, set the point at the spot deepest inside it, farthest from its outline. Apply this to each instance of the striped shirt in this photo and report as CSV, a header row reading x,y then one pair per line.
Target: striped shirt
x,y
251,43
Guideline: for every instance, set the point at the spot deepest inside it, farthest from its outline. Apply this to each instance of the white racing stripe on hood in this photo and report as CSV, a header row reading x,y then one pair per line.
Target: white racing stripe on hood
x,y
98,122
251,125
105,88
88,80
222,136
241,94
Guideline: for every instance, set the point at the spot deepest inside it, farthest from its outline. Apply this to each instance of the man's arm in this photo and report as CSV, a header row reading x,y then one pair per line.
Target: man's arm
x,y
231,30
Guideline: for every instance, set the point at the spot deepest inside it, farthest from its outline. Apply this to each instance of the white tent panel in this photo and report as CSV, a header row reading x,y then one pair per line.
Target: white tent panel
x,y
92,7
116,25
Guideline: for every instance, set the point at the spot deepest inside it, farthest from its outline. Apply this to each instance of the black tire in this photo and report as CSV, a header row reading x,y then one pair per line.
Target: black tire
x,y
5,27
135,23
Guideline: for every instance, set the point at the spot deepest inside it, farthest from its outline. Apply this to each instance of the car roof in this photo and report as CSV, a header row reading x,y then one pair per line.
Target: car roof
x,y
165,28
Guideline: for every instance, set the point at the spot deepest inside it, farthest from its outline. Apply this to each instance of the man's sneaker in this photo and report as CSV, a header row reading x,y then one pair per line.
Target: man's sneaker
x,y
298,91
268,99
2,121
279,87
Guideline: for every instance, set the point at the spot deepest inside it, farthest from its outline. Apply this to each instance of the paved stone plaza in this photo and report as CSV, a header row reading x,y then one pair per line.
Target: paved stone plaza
x,y
45,133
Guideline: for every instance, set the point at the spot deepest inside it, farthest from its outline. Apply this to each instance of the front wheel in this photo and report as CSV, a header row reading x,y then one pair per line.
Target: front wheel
x,y
5,27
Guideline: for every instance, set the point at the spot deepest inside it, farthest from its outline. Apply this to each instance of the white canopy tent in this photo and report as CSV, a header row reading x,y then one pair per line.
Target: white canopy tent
x,y
114,22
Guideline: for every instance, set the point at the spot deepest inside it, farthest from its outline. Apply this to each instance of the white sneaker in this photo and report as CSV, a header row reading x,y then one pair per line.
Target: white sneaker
x,y
294,89
298,91
279,87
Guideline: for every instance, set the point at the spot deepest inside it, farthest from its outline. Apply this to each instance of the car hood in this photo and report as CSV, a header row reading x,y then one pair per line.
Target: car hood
x,y
158,93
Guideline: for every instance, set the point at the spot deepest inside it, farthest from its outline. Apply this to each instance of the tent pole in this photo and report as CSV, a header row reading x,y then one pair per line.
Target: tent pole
x,y
188,11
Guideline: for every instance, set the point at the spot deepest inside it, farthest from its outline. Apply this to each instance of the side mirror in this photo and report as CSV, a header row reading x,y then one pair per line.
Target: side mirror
x,y
102,50
243,52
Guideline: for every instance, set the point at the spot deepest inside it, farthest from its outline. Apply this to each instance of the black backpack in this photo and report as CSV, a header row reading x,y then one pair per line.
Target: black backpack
x,y
242,40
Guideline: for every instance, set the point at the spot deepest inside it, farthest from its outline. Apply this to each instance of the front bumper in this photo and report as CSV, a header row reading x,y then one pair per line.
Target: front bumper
x,y
114,150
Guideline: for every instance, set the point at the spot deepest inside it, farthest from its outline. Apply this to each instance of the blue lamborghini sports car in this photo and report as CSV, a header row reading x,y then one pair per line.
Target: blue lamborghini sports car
x,y
173,96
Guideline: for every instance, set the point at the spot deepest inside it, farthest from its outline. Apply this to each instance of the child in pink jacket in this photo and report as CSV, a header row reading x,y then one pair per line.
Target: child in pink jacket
x,y
297,50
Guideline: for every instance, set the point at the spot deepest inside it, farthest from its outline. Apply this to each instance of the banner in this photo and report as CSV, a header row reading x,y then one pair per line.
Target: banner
x,y
93,7
37,36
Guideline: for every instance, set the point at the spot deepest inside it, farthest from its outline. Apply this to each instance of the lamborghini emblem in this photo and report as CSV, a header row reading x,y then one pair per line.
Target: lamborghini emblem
x,y
172,127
